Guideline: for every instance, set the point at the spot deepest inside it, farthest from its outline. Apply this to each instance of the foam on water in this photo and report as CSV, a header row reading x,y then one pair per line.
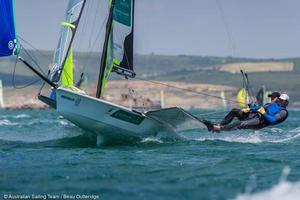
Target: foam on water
x,y
283,190
296,130
24,128
6,122
253,139
62,122
239,139
20,116
268,135
151,140
287,139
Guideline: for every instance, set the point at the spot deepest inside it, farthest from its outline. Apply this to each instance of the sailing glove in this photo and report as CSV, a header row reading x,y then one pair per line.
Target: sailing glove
x,y
245,110
254,107
261,110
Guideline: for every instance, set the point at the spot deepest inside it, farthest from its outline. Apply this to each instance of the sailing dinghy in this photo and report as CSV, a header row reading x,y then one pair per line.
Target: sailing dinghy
x,y
109,122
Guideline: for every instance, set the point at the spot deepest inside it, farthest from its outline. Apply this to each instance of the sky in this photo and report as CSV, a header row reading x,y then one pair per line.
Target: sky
x,y
238,28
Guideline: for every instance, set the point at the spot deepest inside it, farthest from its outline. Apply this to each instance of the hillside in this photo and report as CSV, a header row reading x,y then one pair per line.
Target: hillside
x,y
187,69
154,65
258,67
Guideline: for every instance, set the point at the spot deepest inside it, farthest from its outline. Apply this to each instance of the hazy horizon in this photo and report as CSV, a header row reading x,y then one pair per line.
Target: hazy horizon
x,y
251,29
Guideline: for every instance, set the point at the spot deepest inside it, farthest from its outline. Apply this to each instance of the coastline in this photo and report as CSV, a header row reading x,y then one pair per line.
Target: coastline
x,y
137,94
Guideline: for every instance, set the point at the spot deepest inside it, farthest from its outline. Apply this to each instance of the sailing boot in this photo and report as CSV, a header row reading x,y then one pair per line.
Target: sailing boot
x,y
208,124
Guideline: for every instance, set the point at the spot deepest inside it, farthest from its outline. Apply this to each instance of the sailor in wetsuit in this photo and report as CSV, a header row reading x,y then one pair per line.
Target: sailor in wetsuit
x,y
254,117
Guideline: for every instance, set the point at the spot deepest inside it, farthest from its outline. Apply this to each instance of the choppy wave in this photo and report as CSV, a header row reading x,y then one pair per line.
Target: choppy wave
x,y
251,138
283,190
39,126
19,116
151,140
7,122
80,141
272,135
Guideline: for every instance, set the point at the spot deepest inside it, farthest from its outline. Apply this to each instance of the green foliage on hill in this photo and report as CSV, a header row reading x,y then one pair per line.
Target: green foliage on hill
x,y
195,69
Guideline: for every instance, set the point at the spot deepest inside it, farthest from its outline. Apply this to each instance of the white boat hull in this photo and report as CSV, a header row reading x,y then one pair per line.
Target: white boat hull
x,y
109,122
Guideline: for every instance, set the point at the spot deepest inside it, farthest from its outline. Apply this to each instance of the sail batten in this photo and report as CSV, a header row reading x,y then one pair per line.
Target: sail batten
x,y
8,40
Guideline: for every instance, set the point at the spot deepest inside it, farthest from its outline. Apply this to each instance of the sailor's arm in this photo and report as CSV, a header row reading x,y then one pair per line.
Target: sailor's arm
x,y
280,116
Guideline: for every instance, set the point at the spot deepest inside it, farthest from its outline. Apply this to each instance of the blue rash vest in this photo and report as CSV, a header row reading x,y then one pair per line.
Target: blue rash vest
x,y
275,113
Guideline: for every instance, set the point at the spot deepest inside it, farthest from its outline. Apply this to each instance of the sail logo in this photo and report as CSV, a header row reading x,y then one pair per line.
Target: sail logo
x,y
11,45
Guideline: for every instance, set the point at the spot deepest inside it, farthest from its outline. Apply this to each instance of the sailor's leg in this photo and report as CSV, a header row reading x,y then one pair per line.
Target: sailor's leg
x,y
231,115
254,123
230,127
208,124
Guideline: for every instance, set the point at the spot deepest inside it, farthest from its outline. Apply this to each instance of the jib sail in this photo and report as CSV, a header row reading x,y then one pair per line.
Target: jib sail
x,y
68,29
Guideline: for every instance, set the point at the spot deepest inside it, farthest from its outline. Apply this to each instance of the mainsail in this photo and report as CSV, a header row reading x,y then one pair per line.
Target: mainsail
x,y
117,55
62,54
8,40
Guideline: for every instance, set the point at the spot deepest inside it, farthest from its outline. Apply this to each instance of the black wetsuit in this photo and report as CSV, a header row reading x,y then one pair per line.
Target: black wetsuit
x,y
250,120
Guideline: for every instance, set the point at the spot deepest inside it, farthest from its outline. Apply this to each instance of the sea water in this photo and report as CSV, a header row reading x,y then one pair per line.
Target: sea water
x,y
43,156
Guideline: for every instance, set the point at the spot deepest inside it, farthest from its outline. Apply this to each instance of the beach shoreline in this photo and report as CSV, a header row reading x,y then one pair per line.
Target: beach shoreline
x,y
136,93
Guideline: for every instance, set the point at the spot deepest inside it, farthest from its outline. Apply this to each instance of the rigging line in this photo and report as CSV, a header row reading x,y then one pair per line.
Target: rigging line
x,y
66,52
189,90
230,38
41,88
34,48
73,32
33,60
90,56
229,34
243,78
13,78
245,86
250,89
212,113
97,6
85,20
97,38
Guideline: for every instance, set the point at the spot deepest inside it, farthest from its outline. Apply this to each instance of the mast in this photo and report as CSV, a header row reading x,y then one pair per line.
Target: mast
x,y
104,51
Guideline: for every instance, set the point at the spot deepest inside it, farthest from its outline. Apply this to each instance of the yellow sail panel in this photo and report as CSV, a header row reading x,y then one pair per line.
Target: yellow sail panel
x,y
107,72
67,73
242,98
